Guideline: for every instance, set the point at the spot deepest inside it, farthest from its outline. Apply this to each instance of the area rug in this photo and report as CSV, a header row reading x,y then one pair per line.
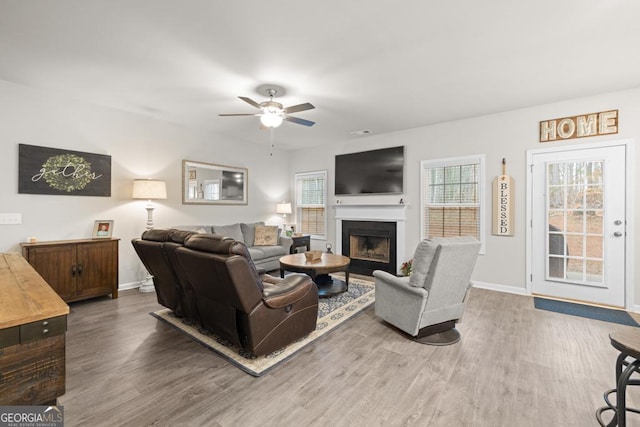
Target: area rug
x,y
588,311
332,312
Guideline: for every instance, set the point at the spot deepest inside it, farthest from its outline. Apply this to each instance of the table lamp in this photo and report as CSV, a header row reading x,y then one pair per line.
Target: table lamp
x,y
284,208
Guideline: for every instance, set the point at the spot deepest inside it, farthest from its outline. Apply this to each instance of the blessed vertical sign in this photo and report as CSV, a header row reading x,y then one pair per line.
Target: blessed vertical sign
x,y
503,204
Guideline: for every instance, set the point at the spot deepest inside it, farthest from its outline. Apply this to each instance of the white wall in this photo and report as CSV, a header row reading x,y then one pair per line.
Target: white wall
x,y
505,135
139,148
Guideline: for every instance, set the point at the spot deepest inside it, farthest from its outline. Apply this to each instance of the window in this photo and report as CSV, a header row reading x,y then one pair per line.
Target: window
x,y
212,189
311,203
451,197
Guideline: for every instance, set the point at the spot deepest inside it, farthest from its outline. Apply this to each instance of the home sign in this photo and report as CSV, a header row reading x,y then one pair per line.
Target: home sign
x,y
603,123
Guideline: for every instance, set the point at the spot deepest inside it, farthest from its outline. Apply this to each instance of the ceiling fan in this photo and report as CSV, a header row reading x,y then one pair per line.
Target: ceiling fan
x,y
273,113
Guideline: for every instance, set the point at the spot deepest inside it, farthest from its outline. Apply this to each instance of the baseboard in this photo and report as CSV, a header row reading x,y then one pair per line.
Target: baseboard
x,y
130,285
499,288
635,308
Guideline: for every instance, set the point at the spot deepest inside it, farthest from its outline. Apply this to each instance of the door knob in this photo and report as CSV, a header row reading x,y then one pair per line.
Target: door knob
x,y
617,234
617,222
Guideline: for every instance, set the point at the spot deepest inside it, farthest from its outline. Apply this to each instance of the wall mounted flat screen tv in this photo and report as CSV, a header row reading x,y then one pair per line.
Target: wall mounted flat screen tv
x,y
370,172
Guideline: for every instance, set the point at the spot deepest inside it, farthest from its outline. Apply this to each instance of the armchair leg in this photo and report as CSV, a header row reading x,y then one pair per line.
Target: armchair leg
x,y
441,334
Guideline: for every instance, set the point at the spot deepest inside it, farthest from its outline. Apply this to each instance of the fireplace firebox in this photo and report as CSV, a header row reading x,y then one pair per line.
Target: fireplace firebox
x,y
371,245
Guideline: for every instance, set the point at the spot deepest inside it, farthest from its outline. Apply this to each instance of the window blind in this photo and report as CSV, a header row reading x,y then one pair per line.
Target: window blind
x,y
311,203
451,201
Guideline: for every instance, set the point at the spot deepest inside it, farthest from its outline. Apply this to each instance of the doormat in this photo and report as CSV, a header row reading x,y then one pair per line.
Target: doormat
x,y
581,310
332,312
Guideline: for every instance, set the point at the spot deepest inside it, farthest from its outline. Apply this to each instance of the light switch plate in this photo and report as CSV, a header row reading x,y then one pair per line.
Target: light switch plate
x,y
10,218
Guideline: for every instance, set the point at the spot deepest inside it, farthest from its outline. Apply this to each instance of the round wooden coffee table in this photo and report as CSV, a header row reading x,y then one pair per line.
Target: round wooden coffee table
x,y
319,271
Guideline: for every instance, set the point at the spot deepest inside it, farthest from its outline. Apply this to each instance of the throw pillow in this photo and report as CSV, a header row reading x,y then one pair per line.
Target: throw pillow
x,y
232,231
266,235
249,231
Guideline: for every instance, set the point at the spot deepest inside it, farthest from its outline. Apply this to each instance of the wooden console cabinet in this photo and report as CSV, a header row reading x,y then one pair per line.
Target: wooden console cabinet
x,y
33,322
76,269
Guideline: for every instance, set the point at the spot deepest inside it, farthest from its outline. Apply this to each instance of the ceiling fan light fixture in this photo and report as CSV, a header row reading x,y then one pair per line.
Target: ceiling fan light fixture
x,y
272,113
271,119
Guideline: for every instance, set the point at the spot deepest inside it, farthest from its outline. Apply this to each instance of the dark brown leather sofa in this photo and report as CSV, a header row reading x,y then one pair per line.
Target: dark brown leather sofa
x,y
156,249
212,280
259,313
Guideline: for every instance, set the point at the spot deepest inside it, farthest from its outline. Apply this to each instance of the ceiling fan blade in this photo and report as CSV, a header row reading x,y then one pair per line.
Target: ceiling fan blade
x,y
299,107
299,121
250,102
239,114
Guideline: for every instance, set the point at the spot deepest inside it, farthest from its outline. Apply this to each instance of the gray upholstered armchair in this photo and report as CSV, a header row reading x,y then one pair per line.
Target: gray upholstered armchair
x,y
427,304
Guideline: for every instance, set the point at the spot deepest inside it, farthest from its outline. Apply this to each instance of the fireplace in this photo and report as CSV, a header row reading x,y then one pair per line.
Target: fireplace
x,y
371,245
378,216
369,248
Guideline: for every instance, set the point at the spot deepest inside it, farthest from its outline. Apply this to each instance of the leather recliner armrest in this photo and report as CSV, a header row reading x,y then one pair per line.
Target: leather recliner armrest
x,y
287,291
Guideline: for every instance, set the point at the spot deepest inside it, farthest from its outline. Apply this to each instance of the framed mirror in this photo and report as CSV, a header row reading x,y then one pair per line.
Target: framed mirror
x,y
206,183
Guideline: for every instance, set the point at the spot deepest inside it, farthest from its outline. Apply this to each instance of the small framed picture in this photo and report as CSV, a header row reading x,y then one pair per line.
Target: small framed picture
x,y
103,229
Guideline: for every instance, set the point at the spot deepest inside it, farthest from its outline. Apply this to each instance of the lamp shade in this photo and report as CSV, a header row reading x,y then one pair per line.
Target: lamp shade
x,y
149,189
271,119
283,208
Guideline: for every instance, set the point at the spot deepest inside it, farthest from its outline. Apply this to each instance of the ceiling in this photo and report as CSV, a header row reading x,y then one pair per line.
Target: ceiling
x,y
378,65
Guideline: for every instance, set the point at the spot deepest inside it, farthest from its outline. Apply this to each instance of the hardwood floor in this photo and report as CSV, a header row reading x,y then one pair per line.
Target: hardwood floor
x,y
515,366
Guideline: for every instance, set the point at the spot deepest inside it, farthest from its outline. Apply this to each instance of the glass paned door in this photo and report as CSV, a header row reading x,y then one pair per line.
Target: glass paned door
x,y
578,224
574,221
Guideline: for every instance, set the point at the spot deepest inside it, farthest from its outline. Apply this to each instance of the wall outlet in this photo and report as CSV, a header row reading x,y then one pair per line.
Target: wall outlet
x,y
10,218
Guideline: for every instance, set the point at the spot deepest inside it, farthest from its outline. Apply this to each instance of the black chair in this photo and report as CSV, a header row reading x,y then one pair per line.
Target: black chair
x,y
627,364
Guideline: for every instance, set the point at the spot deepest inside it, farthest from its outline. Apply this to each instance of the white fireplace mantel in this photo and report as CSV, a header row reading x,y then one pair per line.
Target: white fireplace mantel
x,y
379,212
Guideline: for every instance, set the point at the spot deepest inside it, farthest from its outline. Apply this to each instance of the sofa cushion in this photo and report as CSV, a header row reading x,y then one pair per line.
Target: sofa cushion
x,y
266,235
263,252
179,236
249,232
232,231
157,234
213,243
256,253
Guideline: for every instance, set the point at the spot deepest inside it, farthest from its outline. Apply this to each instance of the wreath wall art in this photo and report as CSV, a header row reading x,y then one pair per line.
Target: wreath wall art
x,y
43,170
